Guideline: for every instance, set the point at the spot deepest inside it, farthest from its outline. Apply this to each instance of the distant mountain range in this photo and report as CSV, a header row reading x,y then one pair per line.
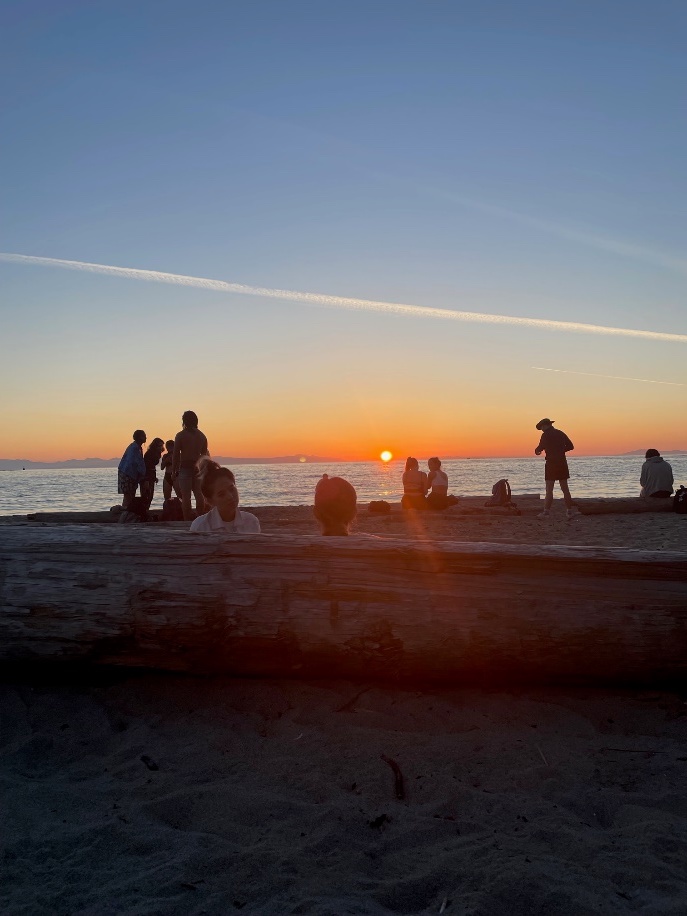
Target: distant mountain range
x,y
23,464
667,451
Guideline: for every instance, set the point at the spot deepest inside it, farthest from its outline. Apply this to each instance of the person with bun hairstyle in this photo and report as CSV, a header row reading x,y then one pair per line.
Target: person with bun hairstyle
x,y
218,486
437,479
414,486
335,505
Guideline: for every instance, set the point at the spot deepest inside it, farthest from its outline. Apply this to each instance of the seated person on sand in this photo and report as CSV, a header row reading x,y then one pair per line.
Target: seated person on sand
x,y
218,486
437,479
190,444
656,478
414,486
169,485
335,505
132,469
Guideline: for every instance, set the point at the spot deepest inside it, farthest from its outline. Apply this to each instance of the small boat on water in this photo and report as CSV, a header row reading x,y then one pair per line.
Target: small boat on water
x,y
360,607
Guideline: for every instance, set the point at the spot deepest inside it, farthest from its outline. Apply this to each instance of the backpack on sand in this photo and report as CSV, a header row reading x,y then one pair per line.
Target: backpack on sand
x,y
680,501
172,510
137,511
501,494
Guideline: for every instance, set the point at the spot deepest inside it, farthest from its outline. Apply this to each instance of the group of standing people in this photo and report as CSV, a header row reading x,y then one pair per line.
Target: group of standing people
x,y
179,465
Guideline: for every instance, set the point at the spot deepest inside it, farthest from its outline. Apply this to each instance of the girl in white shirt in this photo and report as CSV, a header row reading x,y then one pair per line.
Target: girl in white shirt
x,y
438,481
218,486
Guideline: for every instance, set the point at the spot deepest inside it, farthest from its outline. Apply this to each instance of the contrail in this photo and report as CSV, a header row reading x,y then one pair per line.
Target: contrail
x,y
344,302
624,378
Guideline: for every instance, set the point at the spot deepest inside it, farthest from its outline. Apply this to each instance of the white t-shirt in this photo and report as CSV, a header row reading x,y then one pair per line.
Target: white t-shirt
x,y
243,523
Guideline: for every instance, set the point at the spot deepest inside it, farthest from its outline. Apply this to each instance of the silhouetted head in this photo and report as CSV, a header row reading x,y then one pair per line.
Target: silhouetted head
x,y
652,453
139,436
412,465
335,505
190,419
544,424
434,464
157,445
169,445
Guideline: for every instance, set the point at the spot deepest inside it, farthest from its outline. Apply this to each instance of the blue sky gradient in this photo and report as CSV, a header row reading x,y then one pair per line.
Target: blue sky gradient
x,y
523,159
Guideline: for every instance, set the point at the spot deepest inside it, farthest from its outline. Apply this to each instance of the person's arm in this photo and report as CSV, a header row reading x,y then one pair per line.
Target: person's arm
x,y
176,461
670,472
643,476
430,478
569,447
540,448
141,465
425,485
206,450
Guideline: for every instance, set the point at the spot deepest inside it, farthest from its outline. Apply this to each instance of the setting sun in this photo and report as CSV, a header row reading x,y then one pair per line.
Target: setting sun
x,y
386,456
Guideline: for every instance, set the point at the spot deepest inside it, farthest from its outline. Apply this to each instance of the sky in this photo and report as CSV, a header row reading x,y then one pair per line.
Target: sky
x,y
521,160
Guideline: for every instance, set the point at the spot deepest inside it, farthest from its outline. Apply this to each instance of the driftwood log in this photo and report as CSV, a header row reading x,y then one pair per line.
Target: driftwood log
x,y
630,506
354,607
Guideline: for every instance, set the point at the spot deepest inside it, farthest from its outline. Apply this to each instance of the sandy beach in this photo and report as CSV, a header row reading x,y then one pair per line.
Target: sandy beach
x,y
160,794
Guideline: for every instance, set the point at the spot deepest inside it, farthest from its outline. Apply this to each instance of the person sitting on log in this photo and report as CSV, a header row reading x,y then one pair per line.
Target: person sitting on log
x,y
151,459
335,505
218,486
437,479
414,486
132,469
656,478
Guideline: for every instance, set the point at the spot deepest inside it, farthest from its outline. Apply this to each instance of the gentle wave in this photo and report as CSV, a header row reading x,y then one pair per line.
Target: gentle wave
x,y
87,489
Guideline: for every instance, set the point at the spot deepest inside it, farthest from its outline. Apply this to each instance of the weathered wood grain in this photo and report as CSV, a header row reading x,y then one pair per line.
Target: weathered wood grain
x,y
356,607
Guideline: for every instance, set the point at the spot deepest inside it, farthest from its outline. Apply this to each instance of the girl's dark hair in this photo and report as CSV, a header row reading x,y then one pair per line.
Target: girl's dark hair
x,y
335,505
138,435
169,444
210,472
412,465
190,418
431,460
156,445
652,453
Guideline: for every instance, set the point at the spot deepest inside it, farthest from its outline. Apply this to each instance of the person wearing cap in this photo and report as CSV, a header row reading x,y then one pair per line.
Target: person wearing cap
x,y
555,443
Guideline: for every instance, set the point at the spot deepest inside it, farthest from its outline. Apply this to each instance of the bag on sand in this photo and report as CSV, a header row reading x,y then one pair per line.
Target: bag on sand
x,y
379,507
500,494
680,501
136,511
172,510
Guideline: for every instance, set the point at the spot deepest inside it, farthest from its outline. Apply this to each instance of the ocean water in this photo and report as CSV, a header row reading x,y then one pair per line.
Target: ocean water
x,y
87,489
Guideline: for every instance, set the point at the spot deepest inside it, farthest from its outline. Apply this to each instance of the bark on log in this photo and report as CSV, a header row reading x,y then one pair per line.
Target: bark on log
x,y
623,506
342,607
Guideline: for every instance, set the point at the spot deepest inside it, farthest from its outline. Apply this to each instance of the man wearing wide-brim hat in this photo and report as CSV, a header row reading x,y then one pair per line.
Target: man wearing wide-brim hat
x,y
555,443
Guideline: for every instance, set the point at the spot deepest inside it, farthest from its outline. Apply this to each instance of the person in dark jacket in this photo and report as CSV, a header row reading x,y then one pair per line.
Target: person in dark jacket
x,y
151,460
555,444
132,469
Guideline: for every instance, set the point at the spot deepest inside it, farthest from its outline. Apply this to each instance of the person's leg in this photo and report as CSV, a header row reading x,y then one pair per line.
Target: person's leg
x,y
185,482
548,500
566,494
128,488
166,487
198,494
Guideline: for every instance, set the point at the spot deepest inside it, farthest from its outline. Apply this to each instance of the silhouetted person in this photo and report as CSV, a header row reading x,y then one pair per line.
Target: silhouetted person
x,y
190,444
555,443
168,484
656,478
438,481
132,469
414,486
151,460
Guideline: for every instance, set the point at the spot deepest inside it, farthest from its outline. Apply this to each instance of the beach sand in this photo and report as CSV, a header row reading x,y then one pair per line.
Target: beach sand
x,y
161,794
